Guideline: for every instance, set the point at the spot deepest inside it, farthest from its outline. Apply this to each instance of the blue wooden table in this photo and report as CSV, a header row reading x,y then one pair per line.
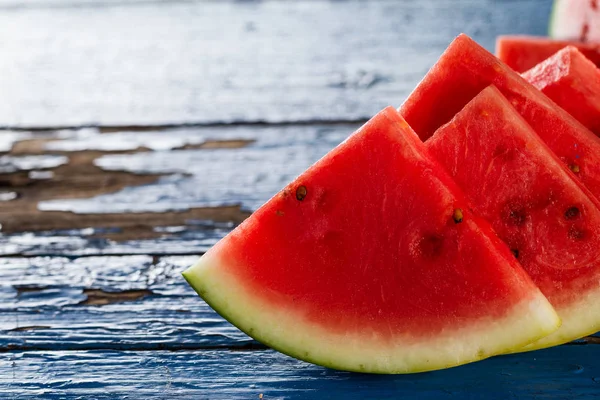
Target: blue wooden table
x,y
137,133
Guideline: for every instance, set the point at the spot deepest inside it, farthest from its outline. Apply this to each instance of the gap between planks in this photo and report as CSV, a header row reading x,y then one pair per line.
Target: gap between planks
x,y
175,347
164,127
121,254
185,347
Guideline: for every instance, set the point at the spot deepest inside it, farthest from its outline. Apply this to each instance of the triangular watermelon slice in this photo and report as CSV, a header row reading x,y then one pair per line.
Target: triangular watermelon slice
x,y
464,70
573,82
533,203
371,261
522,52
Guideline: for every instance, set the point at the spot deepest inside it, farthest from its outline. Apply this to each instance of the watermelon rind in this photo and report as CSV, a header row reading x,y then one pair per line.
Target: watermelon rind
x,y
575,323
574,20
287,331
561,25
553,23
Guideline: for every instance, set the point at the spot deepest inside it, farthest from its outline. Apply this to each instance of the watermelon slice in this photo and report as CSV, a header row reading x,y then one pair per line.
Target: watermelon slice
x,y
464,70
573,82
525,52
371,261
532,202
575,20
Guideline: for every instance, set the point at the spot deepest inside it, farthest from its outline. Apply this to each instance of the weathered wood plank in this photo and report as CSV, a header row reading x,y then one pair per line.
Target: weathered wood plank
x,y
566,372
78,242
98,303
203,170
136,302
68,63
246,175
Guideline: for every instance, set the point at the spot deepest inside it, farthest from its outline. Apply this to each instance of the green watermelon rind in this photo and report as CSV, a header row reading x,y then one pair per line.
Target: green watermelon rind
x,y
564,25
553,19
248,313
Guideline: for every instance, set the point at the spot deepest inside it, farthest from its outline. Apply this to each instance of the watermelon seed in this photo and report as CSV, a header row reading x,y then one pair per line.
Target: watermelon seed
x,y
574,168
457,216
572,213
515,252
301,192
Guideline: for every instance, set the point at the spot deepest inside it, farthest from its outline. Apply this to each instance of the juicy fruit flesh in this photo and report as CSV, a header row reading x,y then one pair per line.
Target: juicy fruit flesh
x,y
524,52
573,82
286,330
356,219
363,250
534,205
464,70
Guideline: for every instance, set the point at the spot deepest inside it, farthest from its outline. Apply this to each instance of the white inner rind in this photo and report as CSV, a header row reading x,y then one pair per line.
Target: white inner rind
x,y
579,319
287,331
569,17
566,21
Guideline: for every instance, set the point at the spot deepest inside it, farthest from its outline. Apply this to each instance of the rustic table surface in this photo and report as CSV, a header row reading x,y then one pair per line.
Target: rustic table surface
x,y
136,133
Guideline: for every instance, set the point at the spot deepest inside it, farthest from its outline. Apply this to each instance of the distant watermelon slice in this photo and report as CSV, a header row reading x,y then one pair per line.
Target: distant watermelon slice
x,y
464,70
371,261
533,203
573,82
575,20
525,52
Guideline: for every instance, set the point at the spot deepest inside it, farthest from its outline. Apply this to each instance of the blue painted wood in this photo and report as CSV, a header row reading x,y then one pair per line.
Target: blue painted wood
x,y
564,372
115,62
41,306
194,178
90,62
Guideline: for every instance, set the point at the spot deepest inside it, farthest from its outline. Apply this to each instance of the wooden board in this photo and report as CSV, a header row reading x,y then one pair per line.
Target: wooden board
x,y
81,62
99,303
566,372
177,119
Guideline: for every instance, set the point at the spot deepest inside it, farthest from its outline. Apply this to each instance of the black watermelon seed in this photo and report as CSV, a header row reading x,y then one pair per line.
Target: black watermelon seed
x,y
572,213
301,192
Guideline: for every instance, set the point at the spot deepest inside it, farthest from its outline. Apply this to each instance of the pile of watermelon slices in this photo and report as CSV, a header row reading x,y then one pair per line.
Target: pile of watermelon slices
x,y
572,23
464,225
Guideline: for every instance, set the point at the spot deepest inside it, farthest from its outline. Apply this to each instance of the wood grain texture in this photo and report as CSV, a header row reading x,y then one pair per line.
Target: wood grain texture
x,y
293,79
195,201
565,372
104,62
99,303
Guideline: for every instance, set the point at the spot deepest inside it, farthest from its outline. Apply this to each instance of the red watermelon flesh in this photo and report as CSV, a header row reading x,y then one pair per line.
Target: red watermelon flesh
x,y
573,82
533,203
464,70
371,261
525,52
